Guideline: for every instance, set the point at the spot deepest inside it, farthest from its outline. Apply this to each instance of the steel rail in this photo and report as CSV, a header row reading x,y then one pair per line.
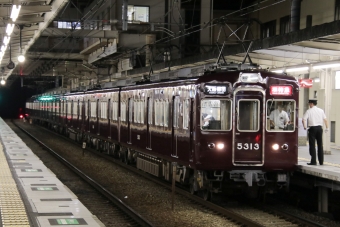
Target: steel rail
x,y
115,200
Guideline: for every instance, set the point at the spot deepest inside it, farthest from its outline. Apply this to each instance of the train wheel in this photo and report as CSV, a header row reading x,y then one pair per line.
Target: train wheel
x,y
206,195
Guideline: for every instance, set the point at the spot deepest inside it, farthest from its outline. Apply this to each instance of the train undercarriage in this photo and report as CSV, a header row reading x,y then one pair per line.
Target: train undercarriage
x,y
207,183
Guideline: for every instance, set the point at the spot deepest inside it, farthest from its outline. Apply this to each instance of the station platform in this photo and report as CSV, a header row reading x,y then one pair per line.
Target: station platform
x,y
30,194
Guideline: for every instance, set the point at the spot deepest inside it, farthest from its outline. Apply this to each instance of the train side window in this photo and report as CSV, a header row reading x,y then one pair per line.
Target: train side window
x,y
150,111
123,111
215,114
69,108
93,109
87,108
142,110
248,115
115,111
103,110
176,113
186,114
166,113
130,109
280,115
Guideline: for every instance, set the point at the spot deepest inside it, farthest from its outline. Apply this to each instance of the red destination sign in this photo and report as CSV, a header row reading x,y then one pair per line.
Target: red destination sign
x,y
285,90
306,83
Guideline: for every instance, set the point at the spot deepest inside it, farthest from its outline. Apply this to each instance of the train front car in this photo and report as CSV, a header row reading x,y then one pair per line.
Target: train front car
x,y
247,135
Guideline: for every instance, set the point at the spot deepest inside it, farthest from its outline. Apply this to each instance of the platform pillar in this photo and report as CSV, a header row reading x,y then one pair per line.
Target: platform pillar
x,y
323,199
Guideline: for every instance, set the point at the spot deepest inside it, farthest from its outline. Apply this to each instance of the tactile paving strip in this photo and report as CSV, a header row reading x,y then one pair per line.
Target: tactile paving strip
x,y
12,209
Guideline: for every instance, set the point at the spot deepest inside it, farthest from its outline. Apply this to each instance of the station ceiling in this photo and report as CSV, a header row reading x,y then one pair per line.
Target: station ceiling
x,y
310,45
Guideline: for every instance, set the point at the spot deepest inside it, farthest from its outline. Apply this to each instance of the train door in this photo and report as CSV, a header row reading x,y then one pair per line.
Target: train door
x,y
130,111
148,122
248,147
176,102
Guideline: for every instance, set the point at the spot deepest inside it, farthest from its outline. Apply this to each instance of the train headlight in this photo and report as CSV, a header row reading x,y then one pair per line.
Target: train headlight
x,y
220,146
275,146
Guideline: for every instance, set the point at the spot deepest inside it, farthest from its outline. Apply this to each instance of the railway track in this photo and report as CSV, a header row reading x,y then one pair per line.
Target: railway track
x,y
237,216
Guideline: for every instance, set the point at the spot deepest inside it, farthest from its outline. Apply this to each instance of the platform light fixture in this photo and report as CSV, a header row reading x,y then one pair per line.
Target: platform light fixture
x,y
21,57
325,65
297,69
3,82
316,80
15,12
9,29
6,40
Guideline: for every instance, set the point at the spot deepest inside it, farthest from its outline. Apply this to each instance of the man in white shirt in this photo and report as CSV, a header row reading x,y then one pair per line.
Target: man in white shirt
x,y
278,118
316,118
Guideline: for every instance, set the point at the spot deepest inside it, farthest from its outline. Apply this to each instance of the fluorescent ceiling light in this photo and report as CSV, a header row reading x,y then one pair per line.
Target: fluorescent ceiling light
x,y
6,40
316,80
15,12
277,71
324,66
297,69
9,29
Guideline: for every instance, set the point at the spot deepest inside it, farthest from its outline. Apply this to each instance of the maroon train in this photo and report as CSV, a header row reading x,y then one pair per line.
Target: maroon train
x,y
215,128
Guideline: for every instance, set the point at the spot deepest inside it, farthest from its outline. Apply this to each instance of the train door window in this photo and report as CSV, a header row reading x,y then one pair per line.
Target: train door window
x,y
68,108
248,114
216,114
115,110
103,110
87,108
186,108
280,115
176,113
79,109
136,117
93,109
166,113
142,110
123,111
130,109
150,102
75,109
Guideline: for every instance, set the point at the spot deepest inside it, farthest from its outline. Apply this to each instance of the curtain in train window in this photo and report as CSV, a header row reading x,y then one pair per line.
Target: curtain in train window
x,y
75,109
248,115
186,108
123,111
103,110
93,109
114,110
157,114
166,112
136,117
150,102
130,109
215,114
142,110
176,113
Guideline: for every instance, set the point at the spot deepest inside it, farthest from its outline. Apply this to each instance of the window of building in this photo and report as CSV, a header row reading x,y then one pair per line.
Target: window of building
x,y
69,25
268,29
138,13
284,25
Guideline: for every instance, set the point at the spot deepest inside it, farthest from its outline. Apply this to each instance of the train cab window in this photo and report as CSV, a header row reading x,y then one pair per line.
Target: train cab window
x,y
248,114
280,115
216,114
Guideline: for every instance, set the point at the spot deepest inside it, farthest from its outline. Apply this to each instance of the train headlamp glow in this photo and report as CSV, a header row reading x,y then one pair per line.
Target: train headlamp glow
x,y
275,146
250,77
220,146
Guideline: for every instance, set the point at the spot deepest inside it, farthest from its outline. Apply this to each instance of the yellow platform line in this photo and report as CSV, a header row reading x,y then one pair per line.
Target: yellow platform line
x,y
12,208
